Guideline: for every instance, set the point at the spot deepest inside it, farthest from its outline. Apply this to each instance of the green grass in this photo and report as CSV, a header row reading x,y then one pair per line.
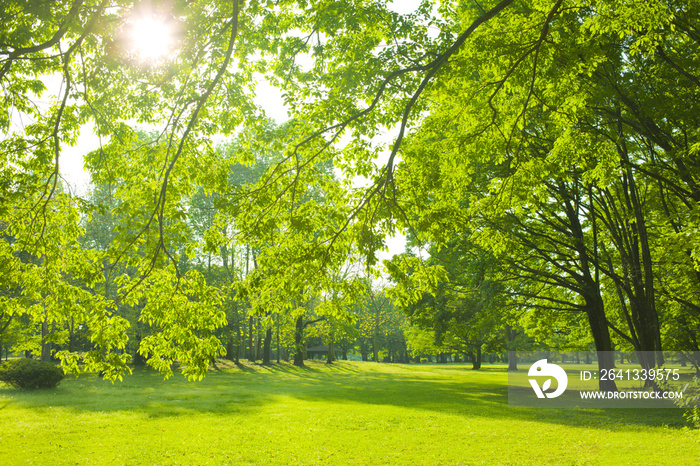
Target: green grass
x,y
349,413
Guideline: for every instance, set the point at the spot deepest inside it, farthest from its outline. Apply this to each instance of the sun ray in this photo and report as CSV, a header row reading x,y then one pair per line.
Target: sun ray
x,y
151,38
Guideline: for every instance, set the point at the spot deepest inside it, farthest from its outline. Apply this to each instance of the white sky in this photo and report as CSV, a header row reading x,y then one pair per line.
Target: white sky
x,y
267,97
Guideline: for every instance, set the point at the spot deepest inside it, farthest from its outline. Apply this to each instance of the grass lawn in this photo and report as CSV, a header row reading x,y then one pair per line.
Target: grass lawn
x,y
348,413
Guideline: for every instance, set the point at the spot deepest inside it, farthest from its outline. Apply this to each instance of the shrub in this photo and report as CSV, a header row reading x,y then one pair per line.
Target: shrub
x,y
690,400
30,374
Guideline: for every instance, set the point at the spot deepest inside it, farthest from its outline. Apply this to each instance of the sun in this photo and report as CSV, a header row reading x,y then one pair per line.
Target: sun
x,y
151,38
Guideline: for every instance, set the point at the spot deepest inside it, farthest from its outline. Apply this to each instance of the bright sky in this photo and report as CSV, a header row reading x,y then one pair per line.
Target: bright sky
x,y
146,31
268,97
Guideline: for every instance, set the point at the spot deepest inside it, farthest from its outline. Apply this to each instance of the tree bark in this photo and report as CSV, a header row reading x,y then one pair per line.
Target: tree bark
x,y
476,361
299,342
278,341
45,344
251,348
375,349
512,350
239,347
512,361
331,350
601,337
267,347
590,291
258,340
229,350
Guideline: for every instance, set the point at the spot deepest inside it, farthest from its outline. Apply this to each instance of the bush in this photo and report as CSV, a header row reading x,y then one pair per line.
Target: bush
x,y
690,401
30,374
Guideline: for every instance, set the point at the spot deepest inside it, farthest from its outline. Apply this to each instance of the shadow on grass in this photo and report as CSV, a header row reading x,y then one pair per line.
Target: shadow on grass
x,y
245,388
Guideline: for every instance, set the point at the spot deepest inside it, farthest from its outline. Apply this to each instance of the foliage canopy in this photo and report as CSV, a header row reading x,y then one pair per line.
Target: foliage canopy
x,y
558,139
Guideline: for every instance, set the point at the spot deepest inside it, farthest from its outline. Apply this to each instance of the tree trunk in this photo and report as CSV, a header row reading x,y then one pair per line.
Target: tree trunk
x,y
651,316
251,348
590,291
229,350
299,342
267,348
71,335
364,350
278,342
258,340
45,344
476,364
331,350
375,349
601,337
512,360
239,348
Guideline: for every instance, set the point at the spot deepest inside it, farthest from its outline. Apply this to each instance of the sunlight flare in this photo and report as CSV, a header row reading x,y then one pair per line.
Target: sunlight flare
x,y
151,38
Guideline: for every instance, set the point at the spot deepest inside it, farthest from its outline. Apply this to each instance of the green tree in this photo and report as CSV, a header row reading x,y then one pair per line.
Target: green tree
x,y
559,146
575,103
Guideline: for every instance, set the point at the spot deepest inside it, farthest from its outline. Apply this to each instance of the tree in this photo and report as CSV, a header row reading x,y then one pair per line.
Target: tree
x,y
467,310
557,148
194,94
594,77
50,285
421,342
